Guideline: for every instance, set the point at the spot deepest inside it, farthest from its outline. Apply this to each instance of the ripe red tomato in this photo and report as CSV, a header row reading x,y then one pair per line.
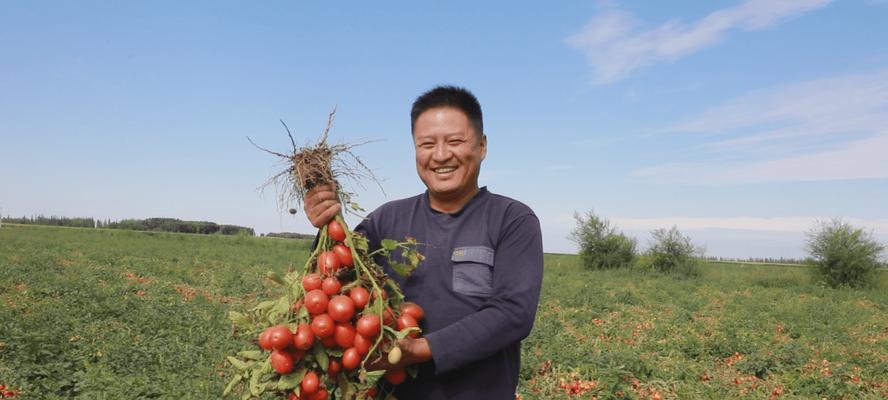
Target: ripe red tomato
x,y
310,383
328,263
334,229
341,308
329,341
280,337
345,335
380,292
322,326
351,358
316,302
360,296
331,286
293,396
320,395
344,254
333,367
282,362
368,325
304,337
396,376
412,309
388,317
407,321
311,281
362,344
371,393
264,342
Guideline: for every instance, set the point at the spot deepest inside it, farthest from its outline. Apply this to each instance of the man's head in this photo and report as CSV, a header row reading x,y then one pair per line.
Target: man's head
x,y
449,144
449,96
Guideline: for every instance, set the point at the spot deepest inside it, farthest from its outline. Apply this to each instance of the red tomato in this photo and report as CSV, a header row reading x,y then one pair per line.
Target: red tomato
x,y
396,376
345,335
322,326
412,309
371,393
388,317
407,321
280,337
282,362
264,341
360,296
310,383
304,337
334,229
344,254
362,344
311,281
331,286
341,308
328,263
329,341
316,302
293,396
380,292
333,367
368,325
351,358
320,395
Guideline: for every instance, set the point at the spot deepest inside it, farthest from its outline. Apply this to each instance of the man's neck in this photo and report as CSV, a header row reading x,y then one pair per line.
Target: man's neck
x,y
451,205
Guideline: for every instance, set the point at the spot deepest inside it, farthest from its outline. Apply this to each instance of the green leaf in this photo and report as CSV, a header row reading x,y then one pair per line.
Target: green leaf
x,y
264,305
275,277
360,243
321,355
412,371
240,320
234,381
289,381
251,354
401,268
238,363
389,244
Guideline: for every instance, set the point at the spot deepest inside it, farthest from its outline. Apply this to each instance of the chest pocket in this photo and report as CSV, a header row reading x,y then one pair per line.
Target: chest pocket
x,y
473,270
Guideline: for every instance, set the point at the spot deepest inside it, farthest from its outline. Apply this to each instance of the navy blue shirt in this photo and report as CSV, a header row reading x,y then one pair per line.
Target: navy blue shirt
x,y
479,286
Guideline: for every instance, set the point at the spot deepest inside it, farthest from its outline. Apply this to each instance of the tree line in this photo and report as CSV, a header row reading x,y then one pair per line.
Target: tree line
x,y
149,224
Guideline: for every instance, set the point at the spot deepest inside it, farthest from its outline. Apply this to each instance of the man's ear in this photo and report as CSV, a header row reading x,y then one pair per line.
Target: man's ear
x,y
483,144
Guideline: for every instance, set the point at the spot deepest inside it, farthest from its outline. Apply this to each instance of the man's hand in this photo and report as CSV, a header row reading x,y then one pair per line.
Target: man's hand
x,y
321,205
413,351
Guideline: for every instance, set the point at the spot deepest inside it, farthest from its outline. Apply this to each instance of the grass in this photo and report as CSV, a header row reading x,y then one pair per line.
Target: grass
x,y
108,314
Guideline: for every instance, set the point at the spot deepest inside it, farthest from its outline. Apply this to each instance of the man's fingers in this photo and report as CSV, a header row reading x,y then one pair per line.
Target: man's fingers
x,y
322,213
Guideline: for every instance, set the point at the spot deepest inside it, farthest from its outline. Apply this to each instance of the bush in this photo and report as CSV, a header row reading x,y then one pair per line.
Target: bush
x,y
843,255
672,252
601,246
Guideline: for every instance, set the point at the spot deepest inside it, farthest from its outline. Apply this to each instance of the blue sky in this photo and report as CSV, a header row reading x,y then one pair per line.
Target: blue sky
x,y
740,122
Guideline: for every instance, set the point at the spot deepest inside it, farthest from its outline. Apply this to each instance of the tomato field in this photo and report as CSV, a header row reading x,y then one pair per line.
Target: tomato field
x,y
109,314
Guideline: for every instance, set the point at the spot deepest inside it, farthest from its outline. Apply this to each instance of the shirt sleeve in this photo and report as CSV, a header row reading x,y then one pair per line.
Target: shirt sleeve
x,y
508,315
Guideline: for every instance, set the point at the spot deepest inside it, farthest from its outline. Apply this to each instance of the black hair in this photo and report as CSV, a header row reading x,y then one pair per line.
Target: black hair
x,y
449,96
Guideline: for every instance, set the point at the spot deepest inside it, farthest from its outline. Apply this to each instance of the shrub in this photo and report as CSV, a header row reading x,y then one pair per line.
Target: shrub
x,y
672,252
601,246
843,255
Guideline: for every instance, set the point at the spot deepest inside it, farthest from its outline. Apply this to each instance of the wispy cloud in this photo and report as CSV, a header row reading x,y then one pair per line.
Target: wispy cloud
x,y
827,129
615,43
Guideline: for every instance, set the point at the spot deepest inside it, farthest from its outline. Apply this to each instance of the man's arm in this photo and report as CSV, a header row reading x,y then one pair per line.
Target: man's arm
x,y
508,315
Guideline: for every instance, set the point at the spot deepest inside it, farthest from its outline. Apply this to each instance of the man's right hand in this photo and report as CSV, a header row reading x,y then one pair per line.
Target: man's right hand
x,y
321,205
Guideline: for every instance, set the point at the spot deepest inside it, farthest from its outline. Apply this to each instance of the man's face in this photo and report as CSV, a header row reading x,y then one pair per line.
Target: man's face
x,y
448,153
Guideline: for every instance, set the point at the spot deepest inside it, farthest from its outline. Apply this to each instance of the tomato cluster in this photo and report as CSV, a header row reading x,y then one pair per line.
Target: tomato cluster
x,y
7,393
346,315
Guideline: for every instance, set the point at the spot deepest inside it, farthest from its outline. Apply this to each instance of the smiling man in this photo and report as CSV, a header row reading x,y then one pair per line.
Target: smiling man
x,y
480,281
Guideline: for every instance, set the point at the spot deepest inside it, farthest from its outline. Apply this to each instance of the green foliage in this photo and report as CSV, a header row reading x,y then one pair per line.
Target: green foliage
x,y
601,245
844,255
673,253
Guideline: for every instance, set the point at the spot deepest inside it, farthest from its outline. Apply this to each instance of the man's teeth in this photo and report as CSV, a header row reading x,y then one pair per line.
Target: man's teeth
x,y
444,170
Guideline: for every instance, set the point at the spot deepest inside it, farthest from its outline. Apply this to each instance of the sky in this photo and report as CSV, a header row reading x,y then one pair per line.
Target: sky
x,y
743,123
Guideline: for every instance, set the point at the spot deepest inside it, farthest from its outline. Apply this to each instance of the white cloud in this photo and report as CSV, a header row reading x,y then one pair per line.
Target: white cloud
x,y
615,43
827,129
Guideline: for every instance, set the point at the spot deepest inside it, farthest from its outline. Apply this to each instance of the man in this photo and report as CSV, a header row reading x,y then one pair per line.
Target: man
x,y
480,282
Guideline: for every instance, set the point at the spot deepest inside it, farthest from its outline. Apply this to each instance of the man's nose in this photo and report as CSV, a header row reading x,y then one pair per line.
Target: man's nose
x,y
441,153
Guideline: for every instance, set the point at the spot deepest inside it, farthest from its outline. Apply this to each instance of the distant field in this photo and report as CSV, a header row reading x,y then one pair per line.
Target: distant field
x,y
110,314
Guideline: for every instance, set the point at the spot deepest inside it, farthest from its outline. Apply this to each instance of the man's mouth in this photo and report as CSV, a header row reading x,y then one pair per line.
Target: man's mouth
x,y
443,170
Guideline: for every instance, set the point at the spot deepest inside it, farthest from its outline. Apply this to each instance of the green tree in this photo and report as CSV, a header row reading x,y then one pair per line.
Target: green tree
x,y
601,245
844,255
672,252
